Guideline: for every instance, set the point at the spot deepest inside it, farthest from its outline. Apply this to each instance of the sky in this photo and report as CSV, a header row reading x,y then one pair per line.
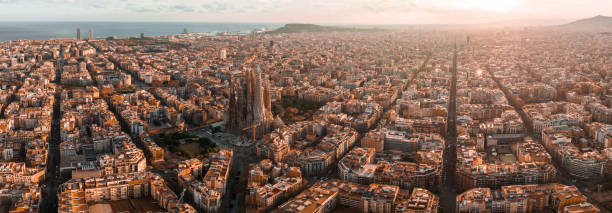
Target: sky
x,y
304,11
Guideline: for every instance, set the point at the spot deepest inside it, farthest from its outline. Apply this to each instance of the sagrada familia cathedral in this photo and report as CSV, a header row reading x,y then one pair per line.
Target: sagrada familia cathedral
x,y
250,105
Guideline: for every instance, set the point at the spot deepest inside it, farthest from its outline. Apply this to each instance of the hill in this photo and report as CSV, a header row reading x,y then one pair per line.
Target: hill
x,y
597,23
300,28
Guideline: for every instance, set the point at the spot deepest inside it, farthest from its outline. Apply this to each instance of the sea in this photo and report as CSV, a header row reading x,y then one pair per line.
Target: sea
x,y
50,30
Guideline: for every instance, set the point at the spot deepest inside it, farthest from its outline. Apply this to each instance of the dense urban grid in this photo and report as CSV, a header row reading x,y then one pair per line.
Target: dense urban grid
x,y
383,121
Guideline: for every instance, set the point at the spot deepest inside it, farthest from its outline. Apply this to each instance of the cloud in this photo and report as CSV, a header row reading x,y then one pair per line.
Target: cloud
x,y
318,11
215,7
253,6
140,9
389,5
181,8
134,6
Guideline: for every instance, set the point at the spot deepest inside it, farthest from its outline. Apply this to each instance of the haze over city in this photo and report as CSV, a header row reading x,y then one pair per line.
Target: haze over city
x,y
306,106
305,11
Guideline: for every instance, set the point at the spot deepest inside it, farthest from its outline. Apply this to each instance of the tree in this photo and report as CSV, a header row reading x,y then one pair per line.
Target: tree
x,y
204,141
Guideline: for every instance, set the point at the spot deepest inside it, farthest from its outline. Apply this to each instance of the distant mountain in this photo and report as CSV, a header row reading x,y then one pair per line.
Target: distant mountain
x,y
597,23
525,23
299,28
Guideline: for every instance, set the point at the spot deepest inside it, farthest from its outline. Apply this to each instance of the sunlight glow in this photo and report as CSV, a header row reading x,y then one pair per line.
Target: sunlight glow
x,y
493,5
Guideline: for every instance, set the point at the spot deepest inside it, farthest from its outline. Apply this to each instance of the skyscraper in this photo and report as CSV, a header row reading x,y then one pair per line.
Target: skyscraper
x,y
90,33
250,104
78,34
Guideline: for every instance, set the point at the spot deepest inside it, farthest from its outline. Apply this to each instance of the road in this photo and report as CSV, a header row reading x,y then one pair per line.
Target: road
x,y
563,177
52,179
448,192
234,198
237,180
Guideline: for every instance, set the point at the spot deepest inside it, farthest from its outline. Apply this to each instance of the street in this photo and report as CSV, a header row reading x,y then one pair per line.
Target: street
x,y
563,176
52,179
448,192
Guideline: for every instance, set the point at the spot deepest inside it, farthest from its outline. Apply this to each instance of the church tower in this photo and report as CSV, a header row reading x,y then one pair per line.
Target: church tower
x,y
250,104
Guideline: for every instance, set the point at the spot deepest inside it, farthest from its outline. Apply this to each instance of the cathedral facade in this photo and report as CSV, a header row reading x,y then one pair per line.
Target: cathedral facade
x,y
249,105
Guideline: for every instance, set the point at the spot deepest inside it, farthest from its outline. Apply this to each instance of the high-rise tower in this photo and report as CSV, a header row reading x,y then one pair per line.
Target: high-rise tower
x,y
250,104
90,33
78,34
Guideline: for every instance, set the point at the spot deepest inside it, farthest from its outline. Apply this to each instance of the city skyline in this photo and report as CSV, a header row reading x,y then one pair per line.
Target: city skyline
x,y
296,106
539,12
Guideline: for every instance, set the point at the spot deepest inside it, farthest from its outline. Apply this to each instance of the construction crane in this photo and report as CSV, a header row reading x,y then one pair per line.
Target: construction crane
x,y
253,127
180,200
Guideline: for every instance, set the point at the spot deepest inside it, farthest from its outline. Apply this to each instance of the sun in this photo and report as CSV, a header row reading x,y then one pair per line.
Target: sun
x,y
493,5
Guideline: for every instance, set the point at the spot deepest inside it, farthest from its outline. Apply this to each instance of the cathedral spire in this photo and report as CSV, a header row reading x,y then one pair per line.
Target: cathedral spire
x,y
252,105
